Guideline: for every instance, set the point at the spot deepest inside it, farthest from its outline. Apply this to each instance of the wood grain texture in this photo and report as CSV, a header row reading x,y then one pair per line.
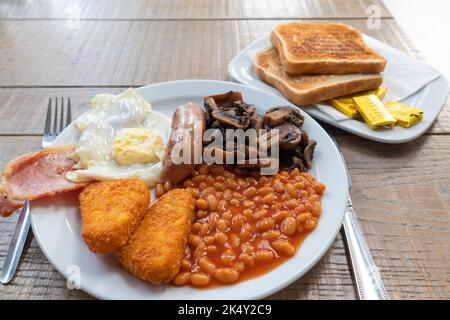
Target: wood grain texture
x,y
135,53
187,9
89,57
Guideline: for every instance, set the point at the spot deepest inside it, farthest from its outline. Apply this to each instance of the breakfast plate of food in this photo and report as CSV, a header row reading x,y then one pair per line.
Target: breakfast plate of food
x,y
191,189
345,78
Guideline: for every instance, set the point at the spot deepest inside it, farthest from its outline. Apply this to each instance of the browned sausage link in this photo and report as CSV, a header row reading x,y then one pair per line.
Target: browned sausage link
x,y
188,121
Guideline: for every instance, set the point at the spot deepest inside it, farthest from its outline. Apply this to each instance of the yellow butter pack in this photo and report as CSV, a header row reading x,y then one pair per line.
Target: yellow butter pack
x,y
405,115
346,105
373,111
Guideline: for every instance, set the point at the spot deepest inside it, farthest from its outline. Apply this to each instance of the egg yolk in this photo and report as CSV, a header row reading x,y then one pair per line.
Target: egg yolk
x,y
136,145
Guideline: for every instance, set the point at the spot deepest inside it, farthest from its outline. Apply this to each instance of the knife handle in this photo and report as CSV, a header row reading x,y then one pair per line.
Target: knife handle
x,y
17,243
368,280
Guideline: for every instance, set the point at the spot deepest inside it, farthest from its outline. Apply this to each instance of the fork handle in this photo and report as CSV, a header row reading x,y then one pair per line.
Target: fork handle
x,y
17,243
368,280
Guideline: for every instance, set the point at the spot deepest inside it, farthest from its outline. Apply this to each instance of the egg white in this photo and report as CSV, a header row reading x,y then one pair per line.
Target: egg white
x,y
110,114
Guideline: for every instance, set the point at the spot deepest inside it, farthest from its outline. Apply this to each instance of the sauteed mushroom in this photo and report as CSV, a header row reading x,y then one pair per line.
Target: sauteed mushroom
x,y
229,111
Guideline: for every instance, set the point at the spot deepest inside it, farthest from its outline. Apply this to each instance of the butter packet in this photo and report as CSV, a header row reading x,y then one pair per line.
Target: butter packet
x,y
347,106
405,115
373,111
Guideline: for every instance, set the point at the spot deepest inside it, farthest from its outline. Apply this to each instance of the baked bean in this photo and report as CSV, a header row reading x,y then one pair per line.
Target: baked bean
x,y
220,178
259,214
231,183
209,240
288,226
250,192
235,202
194,240
300,228
242,183
210,180
186,265
227,195
213,218
216,170
196,227
200,250
198,179
299,185
317,209
290,189
206,265
220,185
194,173
278,186
200,279
203,185
269,199
291,203
303,217
221,238
281,215
226,275
234,240
320,188
228,256
314,198
238,221
264,255
204,229
247,259
201,214
203,169
201,204
248,214
182,278
271,235
222,225
283,247
195,192
227,215
265,190
309,224
213,204
222,205
265,224
239,266
248,204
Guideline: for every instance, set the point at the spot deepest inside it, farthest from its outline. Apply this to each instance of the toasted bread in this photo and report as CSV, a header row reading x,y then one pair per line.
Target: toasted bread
x,y
309,89
324,48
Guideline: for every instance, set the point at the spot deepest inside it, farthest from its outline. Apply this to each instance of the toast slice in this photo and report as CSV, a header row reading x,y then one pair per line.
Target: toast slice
x,y
309,89
324,48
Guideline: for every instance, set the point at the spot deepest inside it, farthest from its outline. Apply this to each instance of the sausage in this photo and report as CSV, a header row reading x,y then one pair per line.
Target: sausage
x,y
188,126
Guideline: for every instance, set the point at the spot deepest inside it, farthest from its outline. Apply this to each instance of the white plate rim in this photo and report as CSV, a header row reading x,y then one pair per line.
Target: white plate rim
x,y
234,75
262,293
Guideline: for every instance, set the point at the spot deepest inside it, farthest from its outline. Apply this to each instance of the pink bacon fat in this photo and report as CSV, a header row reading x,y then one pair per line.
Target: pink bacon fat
x,y
40,174
7,205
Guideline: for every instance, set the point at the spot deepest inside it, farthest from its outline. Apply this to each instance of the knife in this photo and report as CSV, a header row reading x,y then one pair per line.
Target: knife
x,y
367,277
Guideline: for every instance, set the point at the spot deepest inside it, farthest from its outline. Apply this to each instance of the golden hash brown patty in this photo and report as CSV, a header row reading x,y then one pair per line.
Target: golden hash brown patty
x,y
111,211
156,249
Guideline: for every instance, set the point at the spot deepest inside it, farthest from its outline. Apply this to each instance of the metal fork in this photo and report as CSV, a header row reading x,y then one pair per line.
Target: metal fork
x,y
367,278
59,116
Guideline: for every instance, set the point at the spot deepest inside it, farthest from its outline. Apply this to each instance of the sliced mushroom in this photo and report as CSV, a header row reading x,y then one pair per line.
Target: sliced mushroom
x,y
225,99
256,122
278,115
308,153
230,119
290,136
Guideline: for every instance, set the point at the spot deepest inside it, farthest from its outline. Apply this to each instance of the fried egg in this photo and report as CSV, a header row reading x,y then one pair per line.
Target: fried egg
x,y
121,137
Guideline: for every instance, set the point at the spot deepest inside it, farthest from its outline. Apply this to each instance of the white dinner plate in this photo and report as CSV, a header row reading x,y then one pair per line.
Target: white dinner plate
x,y
57,226
430,98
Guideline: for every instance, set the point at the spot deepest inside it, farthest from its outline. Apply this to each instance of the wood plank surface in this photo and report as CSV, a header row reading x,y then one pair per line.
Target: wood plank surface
x,y
188,9
135,53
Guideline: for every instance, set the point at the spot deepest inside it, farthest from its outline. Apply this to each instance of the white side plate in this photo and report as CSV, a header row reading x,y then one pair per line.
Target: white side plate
x,y
57,226
431,99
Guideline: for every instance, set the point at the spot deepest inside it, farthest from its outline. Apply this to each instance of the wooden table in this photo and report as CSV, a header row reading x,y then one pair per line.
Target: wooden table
x,y
79,48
